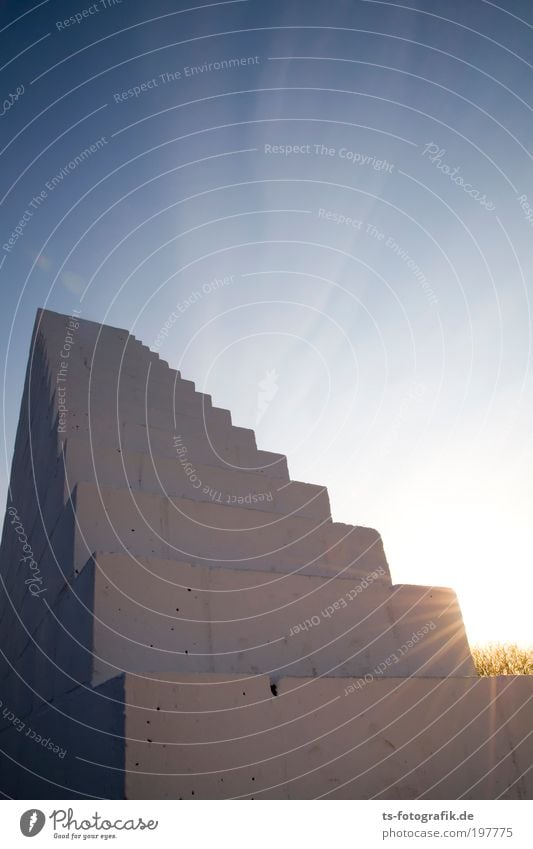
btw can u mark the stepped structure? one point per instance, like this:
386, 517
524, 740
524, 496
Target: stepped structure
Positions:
178, 618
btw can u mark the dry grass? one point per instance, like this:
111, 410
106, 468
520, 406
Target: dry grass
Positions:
503, 659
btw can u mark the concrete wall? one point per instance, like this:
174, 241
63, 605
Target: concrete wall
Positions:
55, 752
403, 738
224, 736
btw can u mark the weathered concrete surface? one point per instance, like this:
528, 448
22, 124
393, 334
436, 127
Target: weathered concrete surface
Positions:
401, 738
170, 548
162, 616
146, 524
223, 737
163, 473
51, 753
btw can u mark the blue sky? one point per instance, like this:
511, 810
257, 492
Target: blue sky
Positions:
395, 345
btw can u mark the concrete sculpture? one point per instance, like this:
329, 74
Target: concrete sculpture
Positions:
179, 619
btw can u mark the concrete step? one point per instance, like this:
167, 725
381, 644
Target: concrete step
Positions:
235, 447
113, 360
137, 386
102, 364
135, 407
90, 341
144, 524
104, 354
218, 736
166, 616
222, 737
156, 616
181, 477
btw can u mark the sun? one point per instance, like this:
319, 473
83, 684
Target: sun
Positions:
445, 530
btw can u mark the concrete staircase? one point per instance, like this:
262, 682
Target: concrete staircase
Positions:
189, 589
